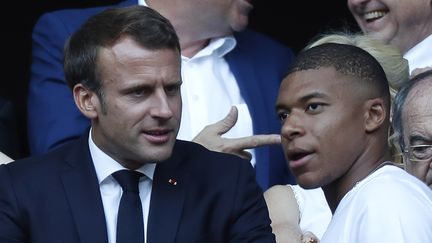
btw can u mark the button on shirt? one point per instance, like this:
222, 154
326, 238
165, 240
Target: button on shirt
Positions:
111, 191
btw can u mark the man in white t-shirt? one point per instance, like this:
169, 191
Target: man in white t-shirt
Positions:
334, 108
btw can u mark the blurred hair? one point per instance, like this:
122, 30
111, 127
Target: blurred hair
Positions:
390, 58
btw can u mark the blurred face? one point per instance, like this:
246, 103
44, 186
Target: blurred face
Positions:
322, 125
221, 17
141, 101
401, 23
417, 128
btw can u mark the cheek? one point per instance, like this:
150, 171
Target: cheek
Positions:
175, 105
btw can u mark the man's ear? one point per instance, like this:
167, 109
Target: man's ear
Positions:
375, 114
86, 100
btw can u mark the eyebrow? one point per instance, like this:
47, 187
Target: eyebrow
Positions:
313, 95
418, 138
305, 98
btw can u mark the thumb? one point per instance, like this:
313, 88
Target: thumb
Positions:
227, 122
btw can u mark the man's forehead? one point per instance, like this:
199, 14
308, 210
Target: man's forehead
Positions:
420, 94
323, 78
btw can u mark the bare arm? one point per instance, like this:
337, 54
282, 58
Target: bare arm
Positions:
284, 213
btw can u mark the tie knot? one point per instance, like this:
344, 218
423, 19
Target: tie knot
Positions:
128, 179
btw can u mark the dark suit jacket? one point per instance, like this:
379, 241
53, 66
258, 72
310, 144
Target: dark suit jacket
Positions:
56, 198
258, 64
9, 138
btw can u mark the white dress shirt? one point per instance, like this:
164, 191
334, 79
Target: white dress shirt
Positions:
420, 55
111, 191
209, 90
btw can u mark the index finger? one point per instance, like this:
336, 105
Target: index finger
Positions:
254, 141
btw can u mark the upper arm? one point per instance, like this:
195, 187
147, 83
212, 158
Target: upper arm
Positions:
284, 213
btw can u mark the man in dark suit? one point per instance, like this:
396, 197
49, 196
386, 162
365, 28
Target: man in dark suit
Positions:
123, 66
246, 69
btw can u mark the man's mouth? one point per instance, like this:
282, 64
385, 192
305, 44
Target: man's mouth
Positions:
157, 132
297, 154
374, 15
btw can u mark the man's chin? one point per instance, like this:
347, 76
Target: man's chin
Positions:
159, 153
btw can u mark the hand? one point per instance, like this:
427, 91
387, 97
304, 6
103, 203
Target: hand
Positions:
211, 137
309, 237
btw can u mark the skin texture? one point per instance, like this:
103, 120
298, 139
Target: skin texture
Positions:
278, 198
398, 22
285, 216
417, 128
315, 106
138, 117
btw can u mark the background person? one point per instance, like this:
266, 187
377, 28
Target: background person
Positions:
406, 25
412, 114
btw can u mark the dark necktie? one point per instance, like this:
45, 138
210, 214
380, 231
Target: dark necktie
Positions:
130, 225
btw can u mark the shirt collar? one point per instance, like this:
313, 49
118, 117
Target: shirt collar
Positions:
420, 55
218, 47
105, 165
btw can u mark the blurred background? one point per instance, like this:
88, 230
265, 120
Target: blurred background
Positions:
293, 23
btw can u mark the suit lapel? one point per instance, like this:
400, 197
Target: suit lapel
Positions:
82, 191
246, 76
167, 199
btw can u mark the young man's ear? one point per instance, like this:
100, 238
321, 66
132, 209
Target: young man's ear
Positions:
375, 114
86, 100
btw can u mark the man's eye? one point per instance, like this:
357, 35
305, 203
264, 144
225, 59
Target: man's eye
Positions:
314, 107
283, 115
173, 89
138, 93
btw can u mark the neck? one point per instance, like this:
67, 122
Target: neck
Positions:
190, 48
363, 167
406, 45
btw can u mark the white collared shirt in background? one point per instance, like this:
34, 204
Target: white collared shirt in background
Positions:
420, 56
